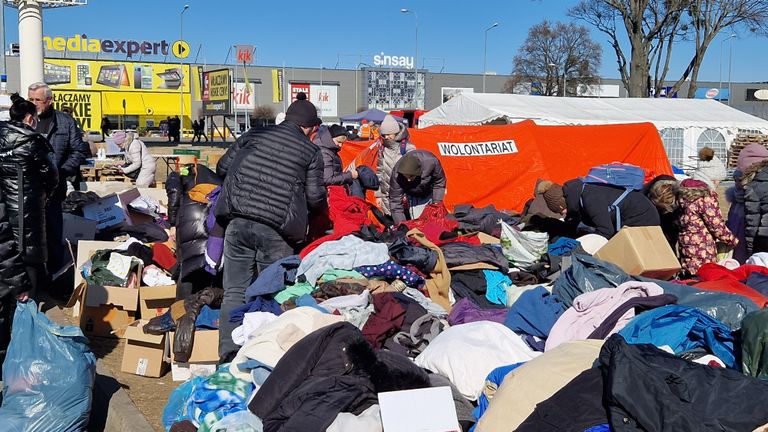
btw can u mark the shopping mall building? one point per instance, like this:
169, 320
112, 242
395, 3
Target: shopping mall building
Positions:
136, 93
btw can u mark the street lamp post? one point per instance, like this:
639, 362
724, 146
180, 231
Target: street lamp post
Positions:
416, 58
485, 52
730, 64
720, 86
181, 73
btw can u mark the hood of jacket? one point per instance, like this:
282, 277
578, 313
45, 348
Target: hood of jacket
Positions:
755, 172
15, 135
325, 140
694, 192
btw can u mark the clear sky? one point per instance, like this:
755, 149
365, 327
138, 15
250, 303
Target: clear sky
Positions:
313, 33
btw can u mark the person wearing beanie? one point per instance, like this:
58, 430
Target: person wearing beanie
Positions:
393, 144
754, 182
590, 205
273, 181
139, 164
419, 180
330, 139
701, 226
710, 169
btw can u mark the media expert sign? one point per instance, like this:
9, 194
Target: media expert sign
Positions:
85, 106
216, 92
491, 148
81, 43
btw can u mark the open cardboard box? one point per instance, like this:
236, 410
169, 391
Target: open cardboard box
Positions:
113, 209
144, 354
641, 251
204, 357
155, 301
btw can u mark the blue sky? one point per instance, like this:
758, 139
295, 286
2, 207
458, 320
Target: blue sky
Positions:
314, 33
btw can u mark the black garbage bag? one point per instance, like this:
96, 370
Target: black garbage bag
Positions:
76, 200
587, 274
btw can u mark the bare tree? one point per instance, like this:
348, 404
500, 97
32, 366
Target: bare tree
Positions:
646, 23
557, 58
710, 17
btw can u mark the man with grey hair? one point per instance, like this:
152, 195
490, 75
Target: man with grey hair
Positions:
69, 152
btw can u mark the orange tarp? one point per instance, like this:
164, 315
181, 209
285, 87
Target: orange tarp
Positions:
512, 157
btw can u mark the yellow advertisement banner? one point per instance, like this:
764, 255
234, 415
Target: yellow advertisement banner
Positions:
100, 75
277, 85
85, 106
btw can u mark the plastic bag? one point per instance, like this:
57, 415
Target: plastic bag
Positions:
242, 421
587, 274
48, 375
523, 248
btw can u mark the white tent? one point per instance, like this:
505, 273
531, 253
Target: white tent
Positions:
685, 125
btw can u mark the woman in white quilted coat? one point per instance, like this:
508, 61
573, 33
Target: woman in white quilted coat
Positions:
139, 163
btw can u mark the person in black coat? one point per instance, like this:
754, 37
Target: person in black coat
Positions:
330, 140
273, 181
69, 152
590, 205
27, 178
755, 184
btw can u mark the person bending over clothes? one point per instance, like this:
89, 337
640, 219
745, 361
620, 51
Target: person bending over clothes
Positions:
662, 191
418, 182
589, 209
140, 165
393, 145
701, 226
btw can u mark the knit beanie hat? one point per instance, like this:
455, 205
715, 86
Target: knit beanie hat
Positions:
409, 165
555, 198
302, 112
119, 137
337, 131
389, 126
751, 155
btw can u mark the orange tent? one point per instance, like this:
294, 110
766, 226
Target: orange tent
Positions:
499, 165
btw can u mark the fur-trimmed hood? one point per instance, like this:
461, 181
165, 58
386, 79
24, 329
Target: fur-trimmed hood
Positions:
755, 172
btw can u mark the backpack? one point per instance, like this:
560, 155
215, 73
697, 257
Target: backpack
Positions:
629, 177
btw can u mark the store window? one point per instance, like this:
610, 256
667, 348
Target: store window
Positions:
714, 140
673, 144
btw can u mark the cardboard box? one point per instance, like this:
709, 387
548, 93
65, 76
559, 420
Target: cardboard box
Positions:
113, 209
205, 355
144, 354
641, 251
104, 189
77, 228
157, 193
155, 301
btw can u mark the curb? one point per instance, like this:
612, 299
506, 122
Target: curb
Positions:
112, 410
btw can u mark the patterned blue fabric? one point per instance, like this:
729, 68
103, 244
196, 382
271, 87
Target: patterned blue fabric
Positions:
391, 271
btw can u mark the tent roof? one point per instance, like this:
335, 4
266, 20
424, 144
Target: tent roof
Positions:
481, 108
372, 115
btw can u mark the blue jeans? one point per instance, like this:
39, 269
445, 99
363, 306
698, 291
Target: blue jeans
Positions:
249, 248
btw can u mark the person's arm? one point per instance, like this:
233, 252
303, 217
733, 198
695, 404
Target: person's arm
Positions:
315, 190
713, 219
77, 149
396, 201
753, 209
44, 164
332, 178
135, 155
439, 182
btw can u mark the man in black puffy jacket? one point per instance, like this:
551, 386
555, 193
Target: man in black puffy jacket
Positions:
69, 152
273, 181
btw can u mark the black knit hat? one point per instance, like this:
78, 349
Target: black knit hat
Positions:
409, 165
337, 131
302, 112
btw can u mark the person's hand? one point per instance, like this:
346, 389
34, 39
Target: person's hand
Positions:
355, 174
23, 297
379, 203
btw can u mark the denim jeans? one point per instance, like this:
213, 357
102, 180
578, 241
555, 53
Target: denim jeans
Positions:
249, 248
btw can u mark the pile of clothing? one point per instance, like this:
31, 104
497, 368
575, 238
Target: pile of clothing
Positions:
529, 332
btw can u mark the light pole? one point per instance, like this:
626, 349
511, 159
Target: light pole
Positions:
730, 64
485, 51
181, 73
720, 87
416, 58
